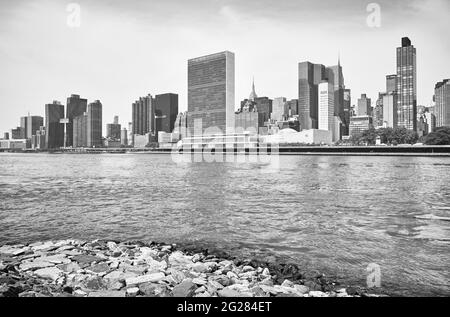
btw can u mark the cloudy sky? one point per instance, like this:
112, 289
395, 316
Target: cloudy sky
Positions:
126, 49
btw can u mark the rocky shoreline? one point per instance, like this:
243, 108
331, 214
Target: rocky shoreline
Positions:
72, 268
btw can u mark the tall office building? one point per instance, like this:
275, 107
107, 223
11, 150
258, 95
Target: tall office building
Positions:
442, 100
390, 113
309, 77
54, 130
79, 128
339, 90
6, 136
113, 130
17, 134
278, 109
391, 83
29, 125
181, 124
166, 112
94, 124
407, 85
364, 106
143, 114
124, 137
347, 111
211, 93
326, 108
76, 106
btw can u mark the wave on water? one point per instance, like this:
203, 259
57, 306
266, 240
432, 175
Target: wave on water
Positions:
432, 217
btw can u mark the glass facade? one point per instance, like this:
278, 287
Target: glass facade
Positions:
442, 100
76, 106
407, 85
94, 125
54, 137
211, 93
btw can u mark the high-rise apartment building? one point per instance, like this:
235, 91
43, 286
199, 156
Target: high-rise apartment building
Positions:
364, 106
143, 115
113, 130
211, 94
54, 130
326, 108
76, 106
166, 112
442, 101
94, 124
407, 85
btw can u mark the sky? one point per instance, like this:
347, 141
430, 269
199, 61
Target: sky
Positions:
121, 50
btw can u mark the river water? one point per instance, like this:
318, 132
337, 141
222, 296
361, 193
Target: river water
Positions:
335, 214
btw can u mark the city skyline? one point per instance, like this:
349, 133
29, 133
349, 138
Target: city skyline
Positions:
92, 76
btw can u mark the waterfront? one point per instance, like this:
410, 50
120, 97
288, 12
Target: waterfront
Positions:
332, 214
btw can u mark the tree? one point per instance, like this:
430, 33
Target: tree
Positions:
440, 137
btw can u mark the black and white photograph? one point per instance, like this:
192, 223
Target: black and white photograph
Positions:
222, 154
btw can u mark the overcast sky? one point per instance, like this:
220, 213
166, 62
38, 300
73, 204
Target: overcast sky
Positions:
127, 49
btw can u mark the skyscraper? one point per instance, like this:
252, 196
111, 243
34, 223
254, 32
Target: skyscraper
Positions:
347, 110
211, 93
29, 125
407, 85
390, 113
309, 77
326, 108
364, 106
113, 129
278, 108
54, 130
80, 130
339, 88
143, 116
166, 112
391, 83
94, 124
76, 106
442, 100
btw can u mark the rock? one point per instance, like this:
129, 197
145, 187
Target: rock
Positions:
197, 257
52, 273
25, 266
185, 289
102, 268
301, 289
154, 265
214, 285
317, 294
46, 246
28, 294
265, 272
178, 276
69, 267
231, 275
10, 291
132, 292
56, 259
119, 276
352, 291
199, 281
154, 277
147, 253
112, 246
178, 259
200, 267
222, 279
79, 293
95, 283
313, 286
86, 259
114, 265
287, 283
227, 292
108, 294
258, 291
247, 268
205, 294
117, 285
201, 289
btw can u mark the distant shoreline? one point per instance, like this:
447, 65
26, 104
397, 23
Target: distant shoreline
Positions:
418, 151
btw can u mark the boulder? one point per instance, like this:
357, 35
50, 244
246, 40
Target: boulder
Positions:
301, 289
52, 273
25, 266
69, 267
199, 281
102, 268
132, 292
152, 278
84, 259
185, 289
